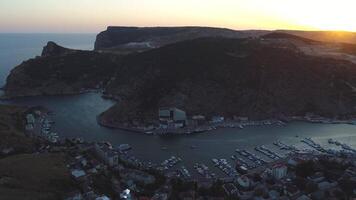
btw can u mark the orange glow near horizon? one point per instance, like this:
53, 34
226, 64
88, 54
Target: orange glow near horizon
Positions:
96, 15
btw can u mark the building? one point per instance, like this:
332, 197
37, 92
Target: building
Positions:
77, 174
279, 171
172, 117
105, 152
244, 182
126, 194
30, 119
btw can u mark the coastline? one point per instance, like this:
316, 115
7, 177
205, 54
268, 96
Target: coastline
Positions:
214, 126
9, 97
191, 130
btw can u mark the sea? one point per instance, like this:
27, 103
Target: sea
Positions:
75, 116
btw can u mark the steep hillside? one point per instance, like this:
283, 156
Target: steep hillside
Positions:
246, 77
60, 71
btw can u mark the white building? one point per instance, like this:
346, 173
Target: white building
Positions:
126, 194
279, 171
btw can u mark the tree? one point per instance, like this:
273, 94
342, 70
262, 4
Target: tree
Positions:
305, 169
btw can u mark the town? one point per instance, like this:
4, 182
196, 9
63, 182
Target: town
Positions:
175, 121
102, 171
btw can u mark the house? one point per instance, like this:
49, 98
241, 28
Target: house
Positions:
126, 194
172, 117
279, 171
77, 174
105, 152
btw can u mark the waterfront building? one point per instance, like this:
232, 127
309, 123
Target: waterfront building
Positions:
172, 117
279, 170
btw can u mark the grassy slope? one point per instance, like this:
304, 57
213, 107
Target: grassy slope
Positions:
28, 176
34, 177
12, 129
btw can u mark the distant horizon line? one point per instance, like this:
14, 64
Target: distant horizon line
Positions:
173, 26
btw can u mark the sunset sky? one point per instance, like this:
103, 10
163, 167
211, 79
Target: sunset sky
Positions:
95, 15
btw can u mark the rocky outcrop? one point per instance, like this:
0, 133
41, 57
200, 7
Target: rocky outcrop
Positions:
60, 71
52, 49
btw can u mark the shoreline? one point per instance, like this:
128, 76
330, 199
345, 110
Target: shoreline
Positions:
11, 97
196, 129
223, 125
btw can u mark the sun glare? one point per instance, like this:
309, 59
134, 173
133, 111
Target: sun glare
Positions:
319, 14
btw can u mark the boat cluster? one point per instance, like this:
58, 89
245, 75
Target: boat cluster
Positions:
240, 162
224, 166
204, 171
183, 171
343, 145
284, 146
269, 153
171, 162
313, 144
258, 161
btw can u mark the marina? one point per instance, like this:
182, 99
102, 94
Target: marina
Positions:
73, 117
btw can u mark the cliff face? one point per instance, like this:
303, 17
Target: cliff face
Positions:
152, 37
